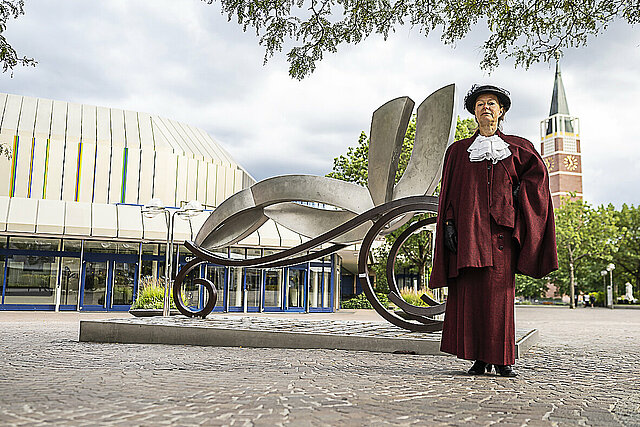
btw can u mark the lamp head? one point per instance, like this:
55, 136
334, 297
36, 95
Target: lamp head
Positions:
191, 209
153, 208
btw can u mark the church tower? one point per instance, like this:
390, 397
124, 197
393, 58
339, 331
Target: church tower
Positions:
560, 145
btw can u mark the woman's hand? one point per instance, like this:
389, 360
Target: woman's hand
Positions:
450, 236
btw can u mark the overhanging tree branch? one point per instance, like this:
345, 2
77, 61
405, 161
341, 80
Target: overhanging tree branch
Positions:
526, 31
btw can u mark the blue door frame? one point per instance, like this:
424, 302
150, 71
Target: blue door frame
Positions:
110, 260
305, 279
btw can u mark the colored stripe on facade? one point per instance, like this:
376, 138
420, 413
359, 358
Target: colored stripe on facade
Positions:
33, 146
14, 165
78, 170
46, 170
124, 174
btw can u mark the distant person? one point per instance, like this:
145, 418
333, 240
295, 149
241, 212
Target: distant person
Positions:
495, 219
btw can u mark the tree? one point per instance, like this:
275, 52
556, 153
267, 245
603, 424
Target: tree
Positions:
8, 56
585, 237
526, 31
529, 287
416, 251
627, 257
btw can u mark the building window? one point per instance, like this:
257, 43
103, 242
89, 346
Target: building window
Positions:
274, 279
295, 288
31, 279
72, 245
568, 125
235, 278
315, 283
215, 274
253, 281
69, 280
111, 247
124, 279
190, 290
326, 286
95, 283
235, 286
28, 244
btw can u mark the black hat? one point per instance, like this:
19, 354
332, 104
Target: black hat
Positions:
477, 90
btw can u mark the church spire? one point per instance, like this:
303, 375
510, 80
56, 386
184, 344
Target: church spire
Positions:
560, 146
559, 98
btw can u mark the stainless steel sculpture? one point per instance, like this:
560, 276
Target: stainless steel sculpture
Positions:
358, 214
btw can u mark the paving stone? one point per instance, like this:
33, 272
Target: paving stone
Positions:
582, 371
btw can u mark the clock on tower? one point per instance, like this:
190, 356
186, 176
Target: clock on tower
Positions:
560, 145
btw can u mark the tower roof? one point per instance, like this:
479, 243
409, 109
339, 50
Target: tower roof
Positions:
559, 98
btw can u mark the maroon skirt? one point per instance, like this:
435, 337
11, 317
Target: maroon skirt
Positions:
479, 319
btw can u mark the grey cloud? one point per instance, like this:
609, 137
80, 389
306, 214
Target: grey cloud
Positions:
183, 60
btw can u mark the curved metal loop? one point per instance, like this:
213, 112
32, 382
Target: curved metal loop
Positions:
414, 318
425, 324
281, 261
409, 204
394, 294
208, 285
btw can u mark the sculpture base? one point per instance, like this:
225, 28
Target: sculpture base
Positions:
246, 331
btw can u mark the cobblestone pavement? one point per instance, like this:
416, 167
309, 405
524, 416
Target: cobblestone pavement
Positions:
585, 370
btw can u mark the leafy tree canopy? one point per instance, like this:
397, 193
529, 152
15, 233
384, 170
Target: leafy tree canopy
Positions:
627, 257
10, 9
587, 239
527, 31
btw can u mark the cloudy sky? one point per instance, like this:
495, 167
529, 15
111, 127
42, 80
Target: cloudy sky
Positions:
183, 60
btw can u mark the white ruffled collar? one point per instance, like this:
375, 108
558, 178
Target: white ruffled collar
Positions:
491, 148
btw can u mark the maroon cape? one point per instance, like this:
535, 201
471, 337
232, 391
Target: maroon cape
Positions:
495, 240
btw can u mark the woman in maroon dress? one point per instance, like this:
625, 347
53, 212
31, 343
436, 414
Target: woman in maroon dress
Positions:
495, 219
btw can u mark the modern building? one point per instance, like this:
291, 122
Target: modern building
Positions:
72, 231
560, 145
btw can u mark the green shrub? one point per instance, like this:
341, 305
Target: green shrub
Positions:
413, 297
360, 301
600, 298
151, 294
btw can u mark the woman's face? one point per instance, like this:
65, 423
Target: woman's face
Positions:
488, 109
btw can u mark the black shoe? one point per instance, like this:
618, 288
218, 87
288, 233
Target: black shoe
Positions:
505, 371
478, 368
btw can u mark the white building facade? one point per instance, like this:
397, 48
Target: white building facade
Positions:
72, 233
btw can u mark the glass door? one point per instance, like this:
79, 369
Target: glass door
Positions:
94, 294
108, 284
216, 274
273, 284
296, 288
123, 283
253, 283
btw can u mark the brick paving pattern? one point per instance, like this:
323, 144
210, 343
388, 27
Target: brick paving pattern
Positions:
585, 370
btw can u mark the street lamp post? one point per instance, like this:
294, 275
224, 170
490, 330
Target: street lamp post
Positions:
603, 273
610, 269
150, 210
188, 211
